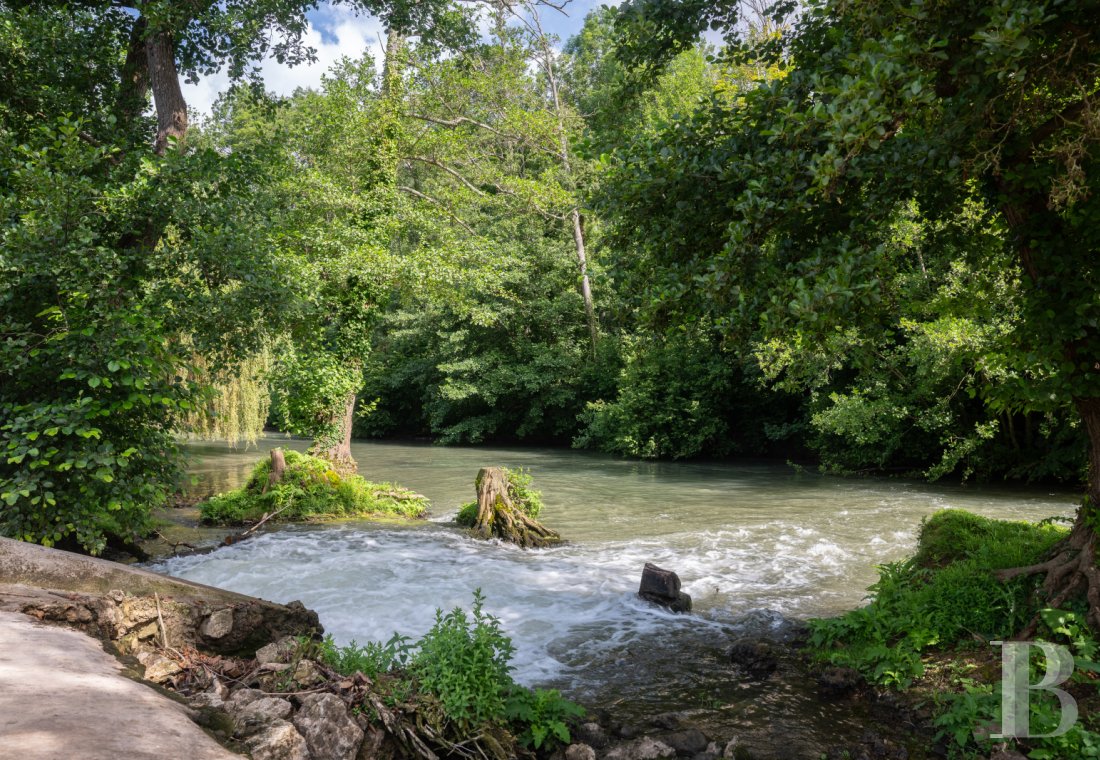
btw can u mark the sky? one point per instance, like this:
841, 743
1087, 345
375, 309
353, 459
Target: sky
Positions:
335, 32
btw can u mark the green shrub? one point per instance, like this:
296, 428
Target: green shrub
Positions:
525, 498
311, 490
463, 660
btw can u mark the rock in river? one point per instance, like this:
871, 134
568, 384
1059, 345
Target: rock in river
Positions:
662, 587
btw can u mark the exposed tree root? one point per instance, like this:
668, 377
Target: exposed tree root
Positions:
1071, 570
499, 517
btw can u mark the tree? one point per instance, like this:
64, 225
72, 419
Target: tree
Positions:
770, 212
125, 251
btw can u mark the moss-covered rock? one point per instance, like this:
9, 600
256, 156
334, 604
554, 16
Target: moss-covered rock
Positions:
310, 489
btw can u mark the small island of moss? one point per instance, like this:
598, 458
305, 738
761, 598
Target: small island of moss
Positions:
310, 489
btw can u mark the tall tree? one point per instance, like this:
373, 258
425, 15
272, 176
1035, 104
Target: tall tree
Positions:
770, 213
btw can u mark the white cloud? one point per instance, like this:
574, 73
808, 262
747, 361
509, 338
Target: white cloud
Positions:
334, 33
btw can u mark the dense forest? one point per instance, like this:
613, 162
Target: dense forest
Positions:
859, 234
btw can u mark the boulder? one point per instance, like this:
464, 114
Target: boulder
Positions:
837, 681
258, 714
241, 697
662, 587
279, 741
329, 731
644, 748
308, 674
218, 624
158, 669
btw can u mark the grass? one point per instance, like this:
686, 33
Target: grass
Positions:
311, 490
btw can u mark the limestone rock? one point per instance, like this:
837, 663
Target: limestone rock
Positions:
218, 624
307, 673
159, 669
279, 741
329, 731
645, 748
241, 697
277, 651
579, 752
260, 713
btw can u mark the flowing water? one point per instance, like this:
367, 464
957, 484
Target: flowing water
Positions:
749, 541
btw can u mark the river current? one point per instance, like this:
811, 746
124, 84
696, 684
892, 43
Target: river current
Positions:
750, 542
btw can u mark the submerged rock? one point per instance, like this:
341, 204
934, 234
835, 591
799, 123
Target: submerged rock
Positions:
757, 658
662, 587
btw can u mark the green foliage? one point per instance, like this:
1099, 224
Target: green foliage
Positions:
461, 668
463, 660
945, 596
310, 489
524, 498
979, 704
372, 660
946, 600
679, 397
544, 713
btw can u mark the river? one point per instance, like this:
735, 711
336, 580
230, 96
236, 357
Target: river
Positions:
755, 540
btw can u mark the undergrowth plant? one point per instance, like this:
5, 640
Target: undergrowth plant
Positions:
458, 676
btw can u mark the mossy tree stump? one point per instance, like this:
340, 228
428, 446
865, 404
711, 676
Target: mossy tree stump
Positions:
498, 516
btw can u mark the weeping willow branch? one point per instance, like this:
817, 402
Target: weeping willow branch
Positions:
239, 405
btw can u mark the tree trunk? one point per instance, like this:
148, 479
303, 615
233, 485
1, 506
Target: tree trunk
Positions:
1072, 568
167, 95
586, 286
278, 467
132, 96
567, 165
337, 449
499, 517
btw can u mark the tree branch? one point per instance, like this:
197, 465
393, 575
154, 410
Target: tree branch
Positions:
441, 204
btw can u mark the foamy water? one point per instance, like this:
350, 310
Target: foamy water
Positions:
742, 538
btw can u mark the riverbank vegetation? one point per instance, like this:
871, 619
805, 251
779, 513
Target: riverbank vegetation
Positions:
309, 488
928, 627
453, 687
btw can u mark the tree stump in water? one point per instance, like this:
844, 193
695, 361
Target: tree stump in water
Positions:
278, 467
498, 516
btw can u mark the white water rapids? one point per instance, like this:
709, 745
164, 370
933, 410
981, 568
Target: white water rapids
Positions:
742, 538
